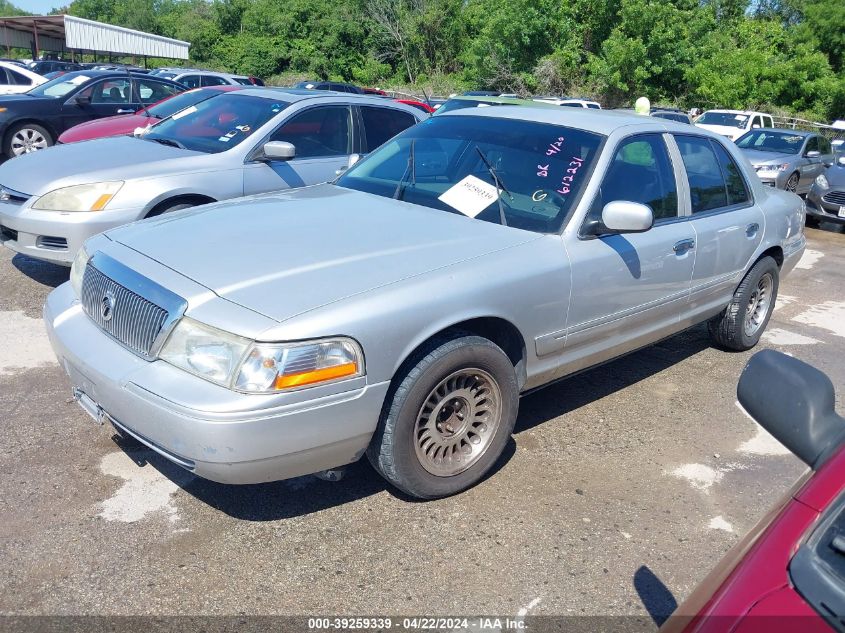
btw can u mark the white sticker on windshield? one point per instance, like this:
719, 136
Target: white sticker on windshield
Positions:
79, 79
184, 112
470, 196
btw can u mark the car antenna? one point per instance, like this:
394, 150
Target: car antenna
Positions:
425, 94
132, 86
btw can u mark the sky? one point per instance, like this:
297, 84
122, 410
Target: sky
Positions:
39, 6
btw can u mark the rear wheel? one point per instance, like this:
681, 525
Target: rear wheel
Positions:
448, 420
741, 324
26, 138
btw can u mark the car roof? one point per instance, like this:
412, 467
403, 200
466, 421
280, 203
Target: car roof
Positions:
292, 95
589, 119
783, 130
735, 111
501, 100
93, 74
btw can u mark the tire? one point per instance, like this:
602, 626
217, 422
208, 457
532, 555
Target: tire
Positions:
164, 208
26, 138
741, 324
792, 183
421, 423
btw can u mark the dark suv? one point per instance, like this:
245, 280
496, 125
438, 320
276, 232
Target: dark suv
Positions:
337, 86
51, 66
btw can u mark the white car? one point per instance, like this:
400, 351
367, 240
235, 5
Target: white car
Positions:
569, 103
733, 123
16, 79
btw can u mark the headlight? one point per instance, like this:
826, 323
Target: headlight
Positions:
93, 197
205, 351
270, 367
822, 182
77, 271
782, 167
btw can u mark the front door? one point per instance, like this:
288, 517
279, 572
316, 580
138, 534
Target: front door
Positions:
629, 289
322, 137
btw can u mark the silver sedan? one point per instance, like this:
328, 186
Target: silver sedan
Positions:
401, 312
786, 159
240, 143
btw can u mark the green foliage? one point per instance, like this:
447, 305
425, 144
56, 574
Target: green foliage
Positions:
780, 54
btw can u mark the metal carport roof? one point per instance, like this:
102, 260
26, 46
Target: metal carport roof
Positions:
66, 32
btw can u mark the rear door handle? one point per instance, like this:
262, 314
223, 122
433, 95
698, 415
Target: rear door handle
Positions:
683, 246
751, 229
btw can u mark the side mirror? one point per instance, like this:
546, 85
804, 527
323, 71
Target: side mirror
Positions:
623, 216
755, 127
353, 158
841, 161
279, 150
82, 100
794, 402
813, 154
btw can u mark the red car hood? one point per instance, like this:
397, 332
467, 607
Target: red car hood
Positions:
109, 126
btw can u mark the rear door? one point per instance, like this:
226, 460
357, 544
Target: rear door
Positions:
728, 224
629, 290
379, 124
323, 139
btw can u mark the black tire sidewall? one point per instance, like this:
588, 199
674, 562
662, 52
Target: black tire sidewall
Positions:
7, 144
462, 353
766, 265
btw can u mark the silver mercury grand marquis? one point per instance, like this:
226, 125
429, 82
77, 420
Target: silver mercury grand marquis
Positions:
401, 311
238, 143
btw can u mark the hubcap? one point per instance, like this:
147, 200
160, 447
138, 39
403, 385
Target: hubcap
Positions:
27, 140
792, 183
758, 305
457, 422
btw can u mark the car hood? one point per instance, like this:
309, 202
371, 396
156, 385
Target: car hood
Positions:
287, 253
98, 160
724, 130
756, 157
108, 126
21, 98
835, 176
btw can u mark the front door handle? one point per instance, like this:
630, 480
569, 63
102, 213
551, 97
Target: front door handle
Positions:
125, 111
683, 246
751, 229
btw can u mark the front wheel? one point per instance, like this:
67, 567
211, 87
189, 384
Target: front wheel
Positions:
741, 324
448, 420
792, 183
26, 138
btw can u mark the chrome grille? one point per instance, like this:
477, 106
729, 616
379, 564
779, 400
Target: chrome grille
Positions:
130, 319
834, 197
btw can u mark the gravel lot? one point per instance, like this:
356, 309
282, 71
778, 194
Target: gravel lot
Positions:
621, 489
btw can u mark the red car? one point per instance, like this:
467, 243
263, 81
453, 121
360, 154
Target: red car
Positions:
788, 573
126, 123
417, 104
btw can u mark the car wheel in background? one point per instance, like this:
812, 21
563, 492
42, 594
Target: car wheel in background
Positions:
447, 419
166, 207
25, 139
741, 324
792, 183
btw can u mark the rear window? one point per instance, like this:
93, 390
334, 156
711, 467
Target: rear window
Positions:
382, 124
715, 180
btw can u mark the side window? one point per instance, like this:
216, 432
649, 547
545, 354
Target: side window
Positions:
824, 146
640, 172
737, 191
191, 81
111, 91
154, 91
382, 124
812, 145
756, 122
768, 121
212, 80
5, 77
18, 78
318, 132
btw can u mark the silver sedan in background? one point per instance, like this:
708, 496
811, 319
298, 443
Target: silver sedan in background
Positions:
786, 159
826, 200
401, 311
240, 143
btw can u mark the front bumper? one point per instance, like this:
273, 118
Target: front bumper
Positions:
233, 440
773, 179
823, 209
55, 236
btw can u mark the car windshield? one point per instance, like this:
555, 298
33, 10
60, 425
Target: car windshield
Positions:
60, 86
452, 163
171, 106
727, 119
216, 125
768, 141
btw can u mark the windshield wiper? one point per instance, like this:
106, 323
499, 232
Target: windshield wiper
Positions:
500, 186
410, 169
165, 141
